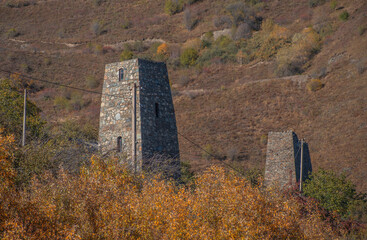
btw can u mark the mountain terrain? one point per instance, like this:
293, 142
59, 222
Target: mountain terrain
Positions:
299, 65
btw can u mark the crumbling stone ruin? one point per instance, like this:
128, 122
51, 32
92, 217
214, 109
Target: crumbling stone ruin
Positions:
283, 158
156, 131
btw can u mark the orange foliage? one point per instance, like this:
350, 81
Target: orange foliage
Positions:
107, 202
7, 173
163, 50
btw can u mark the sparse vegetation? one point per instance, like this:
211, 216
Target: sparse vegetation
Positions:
173, 6
126, 55
189, 57
314, 85
291, 60
11, 111
335, 193
163, 52
344, 16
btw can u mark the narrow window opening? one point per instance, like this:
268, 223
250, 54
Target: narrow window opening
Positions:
121, 74
119, 144
156, 110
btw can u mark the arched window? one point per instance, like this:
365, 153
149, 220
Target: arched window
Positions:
121, 74
119, 144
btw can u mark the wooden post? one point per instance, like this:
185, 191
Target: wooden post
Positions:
133, 128
301, 168
24, 116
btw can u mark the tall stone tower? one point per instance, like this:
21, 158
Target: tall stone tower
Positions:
283, 158
155, 123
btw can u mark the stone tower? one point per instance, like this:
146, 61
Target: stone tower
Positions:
156, 131
283, 158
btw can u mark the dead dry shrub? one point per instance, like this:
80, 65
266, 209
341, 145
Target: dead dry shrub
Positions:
222, 21
189, 19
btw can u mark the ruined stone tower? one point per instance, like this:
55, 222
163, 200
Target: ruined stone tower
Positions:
283, 157
156, 132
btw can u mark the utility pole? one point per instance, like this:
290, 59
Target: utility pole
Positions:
133, 128
301, 168
24, 116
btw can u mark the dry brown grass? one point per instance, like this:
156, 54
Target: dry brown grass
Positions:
332, 120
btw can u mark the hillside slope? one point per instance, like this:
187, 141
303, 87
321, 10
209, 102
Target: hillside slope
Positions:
229, 106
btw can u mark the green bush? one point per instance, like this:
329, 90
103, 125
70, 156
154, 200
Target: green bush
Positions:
173, 6
344, 16
126, 55
315, 3
11, 112
189, 57
334, 192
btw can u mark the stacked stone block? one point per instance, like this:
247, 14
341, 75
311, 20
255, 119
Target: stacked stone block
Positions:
283, 158
155, 117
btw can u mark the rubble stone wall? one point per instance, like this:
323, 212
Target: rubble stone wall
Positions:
283, 159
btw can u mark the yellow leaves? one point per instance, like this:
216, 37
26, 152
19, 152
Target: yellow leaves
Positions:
163, 50
107, 202
7, 173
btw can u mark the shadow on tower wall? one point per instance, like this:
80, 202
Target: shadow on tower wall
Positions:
307, 166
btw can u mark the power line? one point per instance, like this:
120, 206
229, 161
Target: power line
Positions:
94, 92
220, 160
61, 85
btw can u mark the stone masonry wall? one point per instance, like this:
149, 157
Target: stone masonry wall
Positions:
156, 123
283, 156
159, 132
116, 108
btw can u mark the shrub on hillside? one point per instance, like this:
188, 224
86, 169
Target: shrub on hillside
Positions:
291, 60
189, 57
11, 112
126, 55
334, 192
163, 51
314, 85
173, 6
344, 16
266, 43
